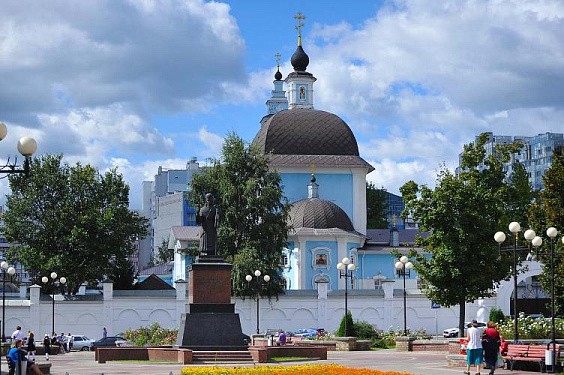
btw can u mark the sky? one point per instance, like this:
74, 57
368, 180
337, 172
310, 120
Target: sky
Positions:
141, 84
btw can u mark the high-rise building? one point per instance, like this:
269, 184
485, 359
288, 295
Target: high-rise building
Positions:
166, 204
535, 155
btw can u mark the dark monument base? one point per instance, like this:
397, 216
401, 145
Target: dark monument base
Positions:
211, 323
211, 331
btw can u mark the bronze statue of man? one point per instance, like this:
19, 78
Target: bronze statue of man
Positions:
208, 217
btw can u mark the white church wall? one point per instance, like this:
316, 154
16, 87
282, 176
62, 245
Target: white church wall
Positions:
121, 310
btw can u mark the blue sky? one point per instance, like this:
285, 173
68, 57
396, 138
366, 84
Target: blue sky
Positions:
142, 84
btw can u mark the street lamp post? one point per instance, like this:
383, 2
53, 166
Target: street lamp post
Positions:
346, 269
500, 237
259, 285
552, 233
10, 271
26, 146
403, 265
62, 281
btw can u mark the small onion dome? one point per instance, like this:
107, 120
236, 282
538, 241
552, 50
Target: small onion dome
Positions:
278, 75
300, 60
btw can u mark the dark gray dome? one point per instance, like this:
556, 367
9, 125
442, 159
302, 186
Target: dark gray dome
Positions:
306, 132
300, 60
318, 214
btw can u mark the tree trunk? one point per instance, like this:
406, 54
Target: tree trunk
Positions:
462, 318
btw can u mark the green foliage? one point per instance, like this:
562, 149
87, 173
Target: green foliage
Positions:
71, 220
376, 207
245, 263
546, 212
385, 340
154, 335
164, 254
253, 212
496, 315
350, 326
462, 213
122, 274
529, 328
364, 330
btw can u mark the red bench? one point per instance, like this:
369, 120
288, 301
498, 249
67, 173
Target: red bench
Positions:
525, 353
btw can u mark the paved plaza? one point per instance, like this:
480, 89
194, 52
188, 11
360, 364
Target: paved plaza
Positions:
424, 363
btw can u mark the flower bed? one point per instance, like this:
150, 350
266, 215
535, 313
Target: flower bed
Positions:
284, 370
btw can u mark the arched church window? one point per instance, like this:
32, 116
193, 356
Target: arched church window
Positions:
302, 93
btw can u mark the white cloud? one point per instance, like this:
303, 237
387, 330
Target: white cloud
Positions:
162, 56
211, 141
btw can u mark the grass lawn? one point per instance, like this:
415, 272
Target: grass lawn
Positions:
289, 359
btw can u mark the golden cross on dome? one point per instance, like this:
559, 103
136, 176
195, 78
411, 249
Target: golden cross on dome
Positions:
300, 17
278, 56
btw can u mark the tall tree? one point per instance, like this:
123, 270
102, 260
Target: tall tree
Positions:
253, 226
376, 207
164, 254
72, 220
462, 214
547, 212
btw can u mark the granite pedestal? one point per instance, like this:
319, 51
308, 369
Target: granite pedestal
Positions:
211, 322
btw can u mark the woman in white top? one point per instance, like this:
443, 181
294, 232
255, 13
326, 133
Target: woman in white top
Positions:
474, 351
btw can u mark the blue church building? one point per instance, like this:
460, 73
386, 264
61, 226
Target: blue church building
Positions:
324, 178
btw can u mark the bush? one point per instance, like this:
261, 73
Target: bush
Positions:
385, 340
154, 335
350, 326
530, 328
496, 315
364, 330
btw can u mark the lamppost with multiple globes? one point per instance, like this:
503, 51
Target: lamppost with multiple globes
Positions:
537, 241
11, 271
260, 284
346, 269
62, 280
499, 237
26, 146
403, 265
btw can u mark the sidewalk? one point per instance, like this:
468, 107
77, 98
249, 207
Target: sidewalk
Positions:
417, 363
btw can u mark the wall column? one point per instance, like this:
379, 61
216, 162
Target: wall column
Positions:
388, 287
322, 287
181, 293
35, 311
108, 292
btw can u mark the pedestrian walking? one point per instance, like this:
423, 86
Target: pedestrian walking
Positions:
491, 342
474, 350
18, 334
47, 346
31, 346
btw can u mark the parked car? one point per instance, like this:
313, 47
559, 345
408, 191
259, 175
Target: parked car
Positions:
272, 332
453, 332
109, 341
306, 332
81, 343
